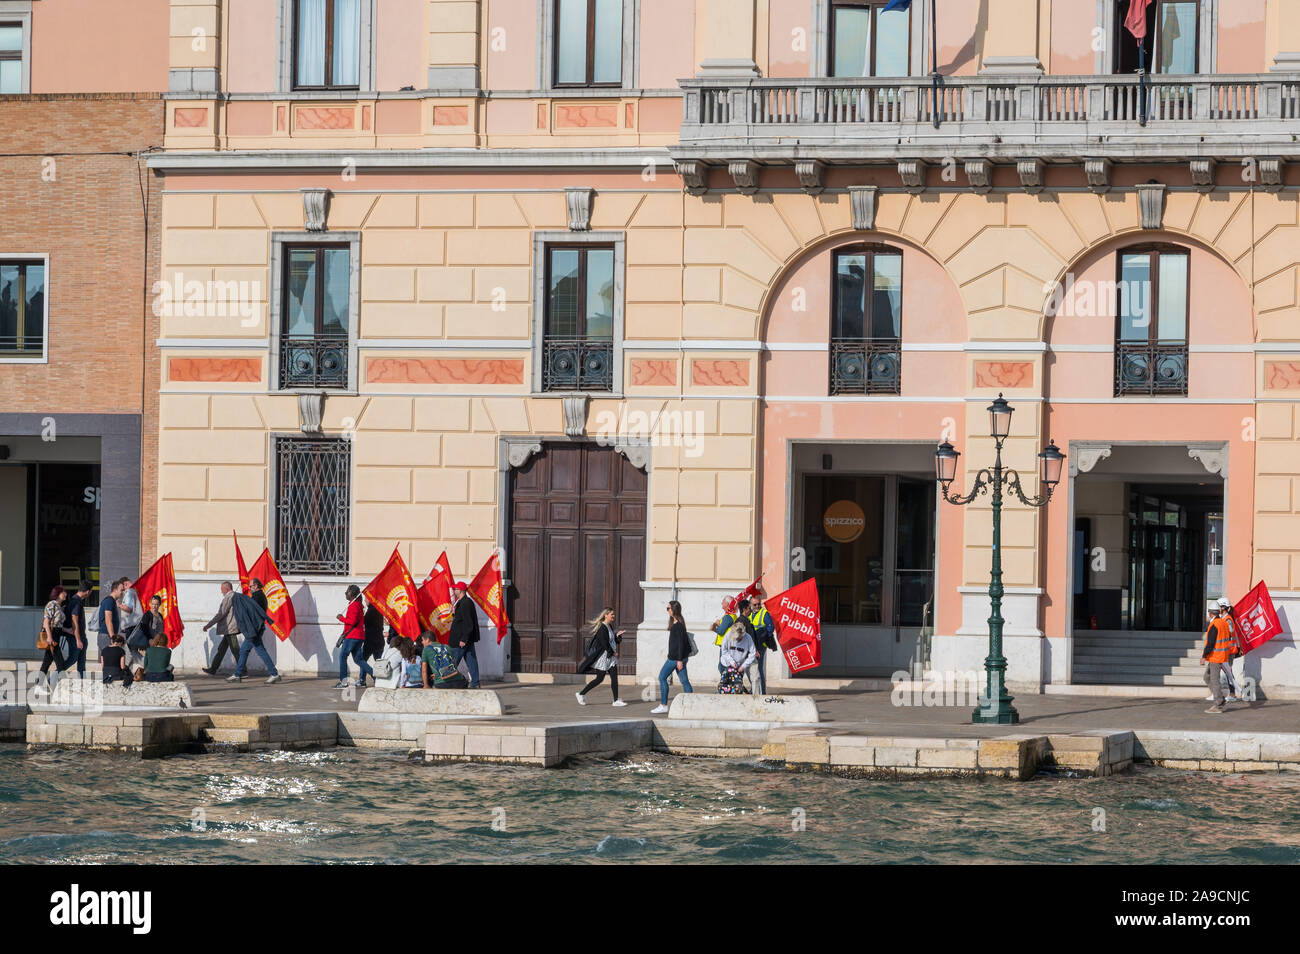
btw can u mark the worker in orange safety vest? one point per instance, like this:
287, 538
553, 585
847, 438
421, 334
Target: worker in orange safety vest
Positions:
1220, 647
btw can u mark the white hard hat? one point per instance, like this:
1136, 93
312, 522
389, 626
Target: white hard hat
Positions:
1224, 603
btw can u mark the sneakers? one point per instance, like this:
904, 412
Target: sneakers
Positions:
1233, 699
659, 709
581, 701
360, 684
273, 680
1209, 698
1215, 710
619, 702
234, 679
341, 684
210, 670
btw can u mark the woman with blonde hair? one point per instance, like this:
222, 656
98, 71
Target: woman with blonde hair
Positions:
602, 655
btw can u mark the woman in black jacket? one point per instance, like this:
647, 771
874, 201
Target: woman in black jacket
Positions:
679, 651
602, 655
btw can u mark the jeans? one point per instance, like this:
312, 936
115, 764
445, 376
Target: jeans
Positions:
159, 677
761, 682
73, 654
468, 653
670, 667
354, 649
252, 643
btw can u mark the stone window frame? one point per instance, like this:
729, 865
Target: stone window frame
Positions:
1207, 45
919, 54
20, 12
273, 498
631, 72
543, 239
275, 308
33, 258
367, 58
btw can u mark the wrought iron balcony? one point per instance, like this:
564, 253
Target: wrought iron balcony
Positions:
1144, 368
577, 364
317, 362
1059, 117
861, 366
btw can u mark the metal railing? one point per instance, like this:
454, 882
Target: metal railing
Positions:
313, 509
865, 366
1144, 368
577, 364
22, 346
317, 362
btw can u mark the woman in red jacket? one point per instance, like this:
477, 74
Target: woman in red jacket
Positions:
353, 640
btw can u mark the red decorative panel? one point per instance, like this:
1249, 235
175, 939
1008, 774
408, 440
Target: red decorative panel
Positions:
589, 116
629, 115
444, 371
190, 117
280, 112
365, 117
541, 115
215, 369
1004, 374
1282, 375
720, 372
324, 117
652, 372
451, 115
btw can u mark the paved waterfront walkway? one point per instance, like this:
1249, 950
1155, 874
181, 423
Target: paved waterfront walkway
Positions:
873, 709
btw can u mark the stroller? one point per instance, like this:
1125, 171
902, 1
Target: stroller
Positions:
732, 682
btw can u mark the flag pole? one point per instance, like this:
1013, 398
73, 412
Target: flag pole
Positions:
1142, 83
934, 60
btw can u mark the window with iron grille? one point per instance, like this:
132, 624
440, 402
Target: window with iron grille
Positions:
578, 334
1153, 289
866, 320
22, 309
313, 509
314, 319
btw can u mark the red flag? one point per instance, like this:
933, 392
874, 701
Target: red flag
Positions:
488, 592
279, 606
750, 590
160, 580
1257, 620
1136, 21
392, 592
797, 615
434, 599
239, 563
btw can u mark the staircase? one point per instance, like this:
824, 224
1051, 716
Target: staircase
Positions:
1105, 657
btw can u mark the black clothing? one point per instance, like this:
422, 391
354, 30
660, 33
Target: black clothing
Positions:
374, 624
602, 641
679, 645
258, 597
464, 624
251, 618
600, 676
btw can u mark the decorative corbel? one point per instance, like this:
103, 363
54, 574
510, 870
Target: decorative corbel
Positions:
745, 174
1213, 457
1098, 173
575, 414
695, 175
810, 172
1151, 203
578, 200
315, 209
980, 174
912, 172
1270, 174
1031, 174
862, 200
311, 411
1203, 174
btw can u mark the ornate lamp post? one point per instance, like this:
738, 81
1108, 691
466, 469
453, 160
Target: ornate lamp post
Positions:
996, 705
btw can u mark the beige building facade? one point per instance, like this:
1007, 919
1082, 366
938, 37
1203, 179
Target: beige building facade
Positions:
655, 306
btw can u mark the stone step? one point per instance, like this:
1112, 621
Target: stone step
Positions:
1125, 678
1141, 652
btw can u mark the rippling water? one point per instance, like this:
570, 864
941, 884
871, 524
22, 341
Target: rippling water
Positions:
345, 805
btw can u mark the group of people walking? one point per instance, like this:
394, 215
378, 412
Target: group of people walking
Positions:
1221, 648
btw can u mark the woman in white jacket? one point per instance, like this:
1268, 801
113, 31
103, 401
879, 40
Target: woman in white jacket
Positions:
397, 666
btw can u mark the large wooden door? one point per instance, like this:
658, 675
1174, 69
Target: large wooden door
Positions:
577, 544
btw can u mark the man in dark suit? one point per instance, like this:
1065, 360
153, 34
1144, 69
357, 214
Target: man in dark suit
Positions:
464, 633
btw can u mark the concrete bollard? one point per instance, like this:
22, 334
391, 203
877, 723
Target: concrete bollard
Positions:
704, 706
479, 702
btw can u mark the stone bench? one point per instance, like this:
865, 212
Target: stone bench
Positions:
93, 694
706, 707
478, 702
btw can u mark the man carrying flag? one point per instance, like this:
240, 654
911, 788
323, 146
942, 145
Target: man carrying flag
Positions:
487, 590
160, 581
279, 607
464, 634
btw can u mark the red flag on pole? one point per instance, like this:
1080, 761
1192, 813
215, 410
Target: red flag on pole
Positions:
750, 590
1257, 620
392, 592
239, 564
488, 592
279, 606
434, 599
160, 580
797, 615
1136, 21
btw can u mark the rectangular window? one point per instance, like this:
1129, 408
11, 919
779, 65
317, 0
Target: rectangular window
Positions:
1172, 41
11, 58
578, 316
1151, 321
312, 504
867, 40
588, 42
327, 44
314, 311
22, 309
866, 320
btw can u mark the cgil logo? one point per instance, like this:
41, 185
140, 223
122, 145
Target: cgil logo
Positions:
102, 908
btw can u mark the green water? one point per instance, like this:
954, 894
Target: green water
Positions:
345, 805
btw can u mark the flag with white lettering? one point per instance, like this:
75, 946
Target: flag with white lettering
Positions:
798, 618
1257, 620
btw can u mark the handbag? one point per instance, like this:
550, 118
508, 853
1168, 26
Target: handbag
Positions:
606, 662
694, 649
43, 641
137, 638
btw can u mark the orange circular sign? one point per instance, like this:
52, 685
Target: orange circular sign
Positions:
844, 521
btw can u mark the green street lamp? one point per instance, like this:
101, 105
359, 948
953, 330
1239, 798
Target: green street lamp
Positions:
995, 707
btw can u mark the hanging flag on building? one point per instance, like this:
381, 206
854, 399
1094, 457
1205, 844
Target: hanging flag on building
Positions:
434, 599
279, 606
239, 564
487, 591
1257, 620
798, 618
1136, 21
392, 592
160, 580
898, 5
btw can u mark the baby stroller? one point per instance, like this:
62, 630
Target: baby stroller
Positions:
732, 682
